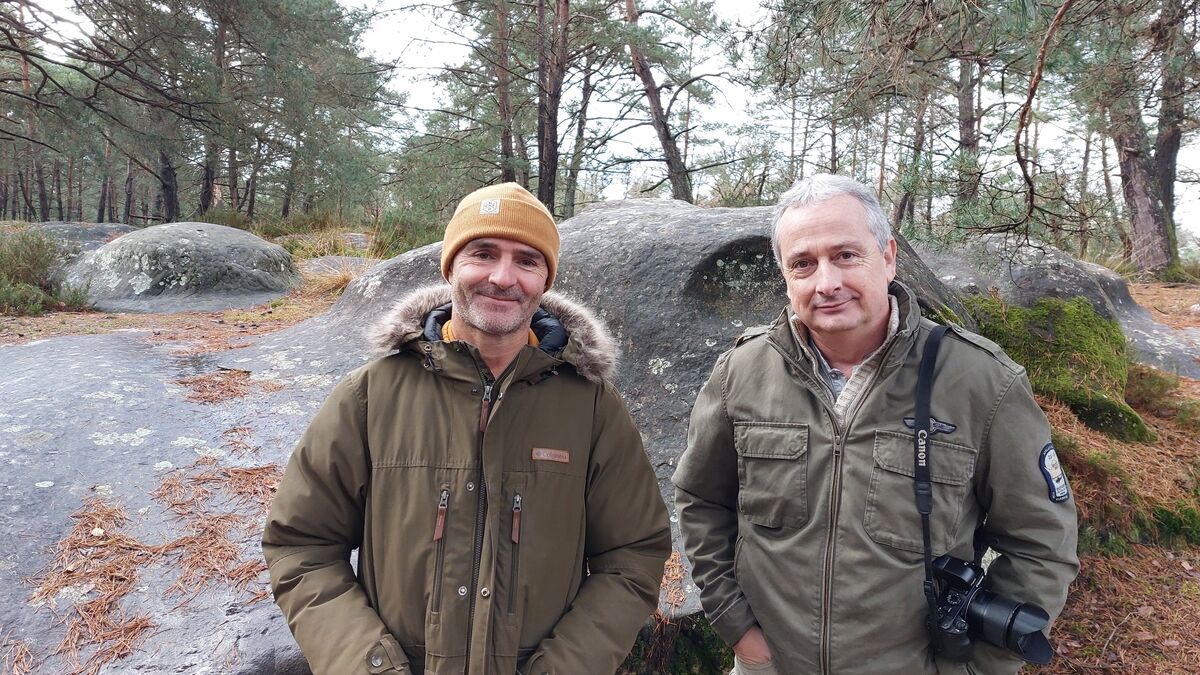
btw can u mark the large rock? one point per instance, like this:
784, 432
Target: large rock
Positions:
103, 416
1022, 273
184, 267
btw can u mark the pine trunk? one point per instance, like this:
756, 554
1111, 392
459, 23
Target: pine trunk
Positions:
577, 150
127, 206
58, 200
168, 189
1153, 239
504, 103
677, 173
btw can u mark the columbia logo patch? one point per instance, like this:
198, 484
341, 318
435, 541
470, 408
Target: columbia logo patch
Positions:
552, 455
489, 207
1056, 480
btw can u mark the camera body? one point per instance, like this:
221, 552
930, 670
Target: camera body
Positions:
965, 611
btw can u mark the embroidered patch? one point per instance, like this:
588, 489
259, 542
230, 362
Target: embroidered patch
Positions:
1052, 471
489, 207
552, 455
936, 426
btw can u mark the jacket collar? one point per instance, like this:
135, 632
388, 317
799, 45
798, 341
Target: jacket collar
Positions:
568, 331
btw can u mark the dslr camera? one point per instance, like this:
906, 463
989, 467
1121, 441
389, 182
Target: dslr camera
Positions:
966, 611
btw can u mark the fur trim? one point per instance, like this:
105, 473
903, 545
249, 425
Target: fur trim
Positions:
591, 349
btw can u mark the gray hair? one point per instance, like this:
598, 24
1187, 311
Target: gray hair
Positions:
823, 186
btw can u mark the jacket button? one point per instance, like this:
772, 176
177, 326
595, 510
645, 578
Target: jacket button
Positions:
376, 660
462, 590
485, 592
470, 487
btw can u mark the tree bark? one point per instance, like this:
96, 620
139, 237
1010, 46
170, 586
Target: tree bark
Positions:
252, 185
1110, 200
552, 67
504, 103
234, 198
1084, 196
168, 188
677, 173
1153, 237
1175, 48
968, 137
289, 188
833, 146
102, 207
58, 200
127, 206
883, 147
211, 149
578, 149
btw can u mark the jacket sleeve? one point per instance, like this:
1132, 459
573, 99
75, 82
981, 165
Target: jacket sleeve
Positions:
1034, 535
315, 521
706, 494
627, 543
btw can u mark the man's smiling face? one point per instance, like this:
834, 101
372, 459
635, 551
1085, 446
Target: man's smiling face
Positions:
497, 285
837, 276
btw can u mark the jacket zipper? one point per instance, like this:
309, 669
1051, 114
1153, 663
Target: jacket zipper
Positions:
485, 411
516, 555
439, 534
835, 501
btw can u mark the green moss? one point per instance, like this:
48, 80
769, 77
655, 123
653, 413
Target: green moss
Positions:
944, 315
1071, 354
1180, 524
687, 646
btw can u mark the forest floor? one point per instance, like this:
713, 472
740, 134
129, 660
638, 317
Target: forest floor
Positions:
207, 331
1137, 611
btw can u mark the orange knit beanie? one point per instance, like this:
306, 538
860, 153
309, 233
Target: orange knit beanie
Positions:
506, 211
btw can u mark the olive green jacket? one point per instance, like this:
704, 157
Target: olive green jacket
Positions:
514, 523
809, 529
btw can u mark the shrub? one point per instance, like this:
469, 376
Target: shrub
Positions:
29, 282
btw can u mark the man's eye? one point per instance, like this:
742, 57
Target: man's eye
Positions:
846, 255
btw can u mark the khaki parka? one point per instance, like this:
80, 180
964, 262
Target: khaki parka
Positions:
502, 524
809, 529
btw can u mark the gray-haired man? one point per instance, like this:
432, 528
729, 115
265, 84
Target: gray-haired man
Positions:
795, 493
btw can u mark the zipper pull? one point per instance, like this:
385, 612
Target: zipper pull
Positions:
486, 410
516, 521
443, 503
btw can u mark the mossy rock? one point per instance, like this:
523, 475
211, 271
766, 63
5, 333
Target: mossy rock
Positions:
1070, 353
687, 646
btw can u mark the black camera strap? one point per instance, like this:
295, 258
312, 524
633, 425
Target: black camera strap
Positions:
922, 486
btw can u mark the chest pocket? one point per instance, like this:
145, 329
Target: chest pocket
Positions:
772, 472
891, 515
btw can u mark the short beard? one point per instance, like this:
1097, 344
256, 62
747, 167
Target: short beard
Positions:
508, 324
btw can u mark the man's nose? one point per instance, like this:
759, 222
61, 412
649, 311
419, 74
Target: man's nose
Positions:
503, 273
829, 279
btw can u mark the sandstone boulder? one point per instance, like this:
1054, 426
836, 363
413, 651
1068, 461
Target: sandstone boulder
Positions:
184, 267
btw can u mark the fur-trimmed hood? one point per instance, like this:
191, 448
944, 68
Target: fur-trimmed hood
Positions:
590, 348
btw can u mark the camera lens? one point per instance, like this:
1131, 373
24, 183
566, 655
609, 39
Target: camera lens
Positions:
1011, 625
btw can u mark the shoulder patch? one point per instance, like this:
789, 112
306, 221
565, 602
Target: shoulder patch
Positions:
1052, 471
751, 333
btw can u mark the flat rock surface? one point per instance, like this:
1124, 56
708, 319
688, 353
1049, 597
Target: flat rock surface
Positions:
1022, 274
336, 264
107, 416
184, 267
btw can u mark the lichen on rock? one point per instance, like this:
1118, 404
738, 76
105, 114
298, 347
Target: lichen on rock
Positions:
1070, 353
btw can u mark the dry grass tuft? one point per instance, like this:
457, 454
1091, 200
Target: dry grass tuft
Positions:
206, 554
94, 567
330, 283
672, 581
17, 659
217, 386
223, 384
235, 441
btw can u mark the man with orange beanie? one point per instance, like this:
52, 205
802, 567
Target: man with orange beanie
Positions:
505, 514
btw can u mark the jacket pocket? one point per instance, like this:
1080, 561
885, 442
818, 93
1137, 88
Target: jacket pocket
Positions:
772, 472
891, 516
439, 542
